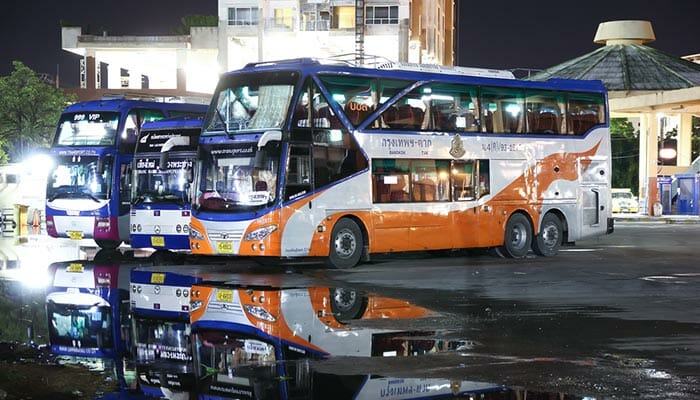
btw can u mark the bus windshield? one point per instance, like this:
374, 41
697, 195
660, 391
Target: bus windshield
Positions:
80, 176
92, 128
162, 341
154, 185
79, 326
237, 177
250, 102
233, 359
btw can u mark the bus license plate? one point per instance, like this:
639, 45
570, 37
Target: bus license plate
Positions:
224, 295
75, 268
224, 247
157, 241
157, 278
75, 235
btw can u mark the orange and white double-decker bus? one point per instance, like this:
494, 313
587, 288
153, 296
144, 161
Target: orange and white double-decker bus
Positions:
304, 158
255, 342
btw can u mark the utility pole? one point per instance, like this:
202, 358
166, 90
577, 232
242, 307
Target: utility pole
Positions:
359, 31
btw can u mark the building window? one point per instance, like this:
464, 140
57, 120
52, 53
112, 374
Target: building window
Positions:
243, 16
379, 15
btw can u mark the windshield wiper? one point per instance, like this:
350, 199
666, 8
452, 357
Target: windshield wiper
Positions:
223, 122
89, 196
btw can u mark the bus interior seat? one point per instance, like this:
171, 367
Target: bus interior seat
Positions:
381, 190
424, 190
325, 114
582, 122
543, 122
396, 190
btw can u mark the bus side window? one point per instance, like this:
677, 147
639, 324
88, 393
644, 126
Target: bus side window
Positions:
484, 178
298, 172
463, 180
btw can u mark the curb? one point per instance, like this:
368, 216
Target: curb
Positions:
688, 220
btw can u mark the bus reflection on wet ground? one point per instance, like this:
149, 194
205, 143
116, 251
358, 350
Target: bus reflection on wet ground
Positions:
256, 333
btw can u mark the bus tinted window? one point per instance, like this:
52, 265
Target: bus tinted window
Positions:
390, 180
585, 111
87, 129
430, 180
463, 180
502, 110
132, 126
545, 111
358, 96
251, 102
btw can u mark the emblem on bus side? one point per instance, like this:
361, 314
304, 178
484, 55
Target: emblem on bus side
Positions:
457, 149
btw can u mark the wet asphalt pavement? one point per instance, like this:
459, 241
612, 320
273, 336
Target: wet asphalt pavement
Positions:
612, 317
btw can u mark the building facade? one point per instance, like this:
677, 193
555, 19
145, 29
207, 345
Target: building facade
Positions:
418, 31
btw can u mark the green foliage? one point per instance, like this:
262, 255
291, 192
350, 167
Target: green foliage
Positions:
20, 308
625, 154
196, 20
29, 111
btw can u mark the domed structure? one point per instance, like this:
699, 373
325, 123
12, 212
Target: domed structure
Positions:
625, 63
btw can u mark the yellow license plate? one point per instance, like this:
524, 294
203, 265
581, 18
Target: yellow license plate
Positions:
157, 241
224, 247
73, 267
157, 278
224, 295
75, 235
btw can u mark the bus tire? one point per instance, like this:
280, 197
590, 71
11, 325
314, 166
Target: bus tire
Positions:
549, 240
347, 304
162, 257
518, 236
346, 245
107, 244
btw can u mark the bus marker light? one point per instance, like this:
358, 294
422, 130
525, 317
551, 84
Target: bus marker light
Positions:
196, 305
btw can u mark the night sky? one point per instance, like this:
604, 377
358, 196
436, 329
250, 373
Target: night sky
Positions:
503, 35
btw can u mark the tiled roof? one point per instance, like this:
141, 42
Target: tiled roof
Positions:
628, 67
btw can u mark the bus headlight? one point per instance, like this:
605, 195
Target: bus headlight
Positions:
260, 233
259, 313
196, 235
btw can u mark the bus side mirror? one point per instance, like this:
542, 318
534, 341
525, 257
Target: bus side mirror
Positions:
163, 161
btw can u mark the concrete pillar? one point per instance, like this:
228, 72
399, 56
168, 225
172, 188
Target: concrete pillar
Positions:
648, 161
181, 70
685, 136
91, 73
114, 76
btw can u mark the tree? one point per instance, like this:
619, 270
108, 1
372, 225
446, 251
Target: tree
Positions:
625, 154
29, 111
196, 20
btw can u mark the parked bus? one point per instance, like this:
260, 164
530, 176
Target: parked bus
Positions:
87, 308
301, 158
255, 342
160, 193
160, 304
88, 191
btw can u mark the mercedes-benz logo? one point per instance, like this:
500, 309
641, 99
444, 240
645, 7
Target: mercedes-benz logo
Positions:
157, 229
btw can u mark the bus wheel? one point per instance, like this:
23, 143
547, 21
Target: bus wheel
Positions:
108, 244
549, 240
162, 257
347, 304
518, 236
346, 244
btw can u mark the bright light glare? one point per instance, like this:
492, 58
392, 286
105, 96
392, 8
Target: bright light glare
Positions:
38, 165
667, 153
